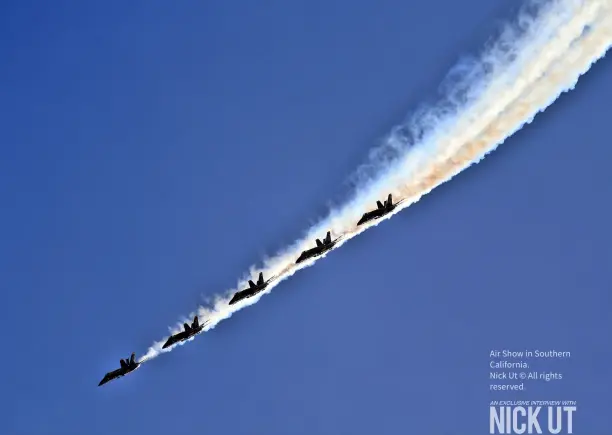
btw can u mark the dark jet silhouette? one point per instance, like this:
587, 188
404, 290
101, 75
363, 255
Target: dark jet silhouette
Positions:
252, 290
188, 332
127, 366
321, 247
379, 212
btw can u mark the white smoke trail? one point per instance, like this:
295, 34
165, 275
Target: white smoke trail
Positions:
525, 71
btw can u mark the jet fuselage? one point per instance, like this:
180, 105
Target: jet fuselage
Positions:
120, 372
376, 214
247, 293
187, 332
182, 336
314, 252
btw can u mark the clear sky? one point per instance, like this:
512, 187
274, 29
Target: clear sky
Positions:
151, 151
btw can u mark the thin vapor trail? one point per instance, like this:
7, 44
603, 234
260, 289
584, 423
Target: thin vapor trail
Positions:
525, 71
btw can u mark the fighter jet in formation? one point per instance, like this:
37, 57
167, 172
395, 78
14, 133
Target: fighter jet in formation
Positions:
380, 211
188, 332
252, 290
321, 247
127, 366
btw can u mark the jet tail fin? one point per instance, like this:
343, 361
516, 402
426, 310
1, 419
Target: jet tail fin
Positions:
379, 204
122, 363
195, 323
389, 200
260, 281
319, 244
186, 327
252, 284
328, 237
132, 359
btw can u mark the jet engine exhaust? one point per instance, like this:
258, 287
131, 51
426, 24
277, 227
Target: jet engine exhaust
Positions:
530, 65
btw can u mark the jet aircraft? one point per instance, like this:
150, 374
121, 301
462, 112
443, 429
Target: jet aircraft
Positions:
188, 332
252, 290
321, 247
127, 366
380, 211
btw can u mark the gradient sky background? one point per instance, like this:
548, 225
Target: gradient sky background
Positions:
152, 151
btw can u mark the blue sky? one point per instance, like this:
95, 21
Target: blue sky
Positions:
152, 151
